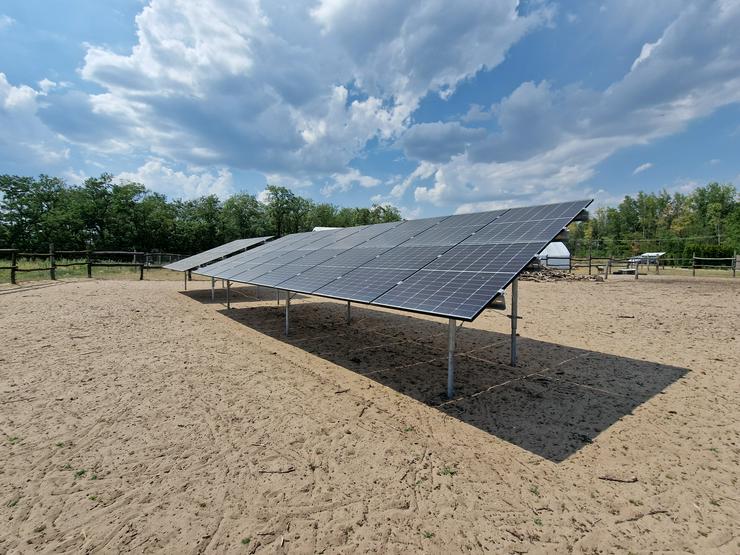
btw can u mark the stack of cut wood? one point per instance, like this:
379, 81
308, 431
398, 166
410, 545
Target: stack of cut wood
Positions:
546, 274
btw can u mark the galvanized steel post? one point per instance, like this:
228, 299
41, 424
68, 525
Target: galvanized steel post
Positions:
287, 312
514, 316
451, 358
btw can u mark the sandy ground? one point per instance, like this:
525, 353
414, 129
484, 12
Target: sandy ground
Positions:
136, 417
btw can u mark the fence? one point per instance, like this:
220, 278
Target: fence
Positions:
93, 259
606, 265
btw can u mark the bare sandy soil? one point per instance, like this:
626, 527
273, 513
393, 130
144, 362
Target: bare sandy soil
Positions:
135, 417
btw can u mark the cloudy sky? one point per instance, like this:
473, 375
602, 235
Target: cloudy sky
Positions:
431, 105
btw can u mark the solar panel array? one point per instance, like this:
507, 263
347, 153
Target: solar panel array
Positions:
216, 253
450, 266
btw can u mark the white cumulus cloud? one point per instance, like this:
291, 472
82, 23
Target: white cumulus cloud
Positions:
156, 175
296, 89
549, 141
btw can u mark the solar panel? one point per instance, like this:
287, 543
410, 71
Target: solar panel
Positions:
289, 266
449, 266
529, 224
216, 253
452, 294
386, 270
311, 279
217, 268
295, 267
461, 282
454, 229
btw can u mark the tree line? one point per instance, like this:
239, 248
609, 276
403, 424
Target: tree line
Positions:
103, 214
705, 222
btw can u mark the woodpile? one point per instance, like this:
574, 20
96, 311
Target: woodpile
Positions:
545, 274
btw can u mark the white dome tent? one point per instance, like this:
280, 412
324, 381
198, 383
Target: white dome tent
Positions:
555, 255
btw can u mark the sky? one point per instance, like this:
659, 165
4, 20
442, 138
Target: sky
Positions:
436, 107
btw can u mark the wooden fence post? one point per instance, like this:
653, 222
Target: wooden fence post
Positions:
141, 272
89, 263
693, 264
13, 266
734, 263
637, 270
52, 263
589, 259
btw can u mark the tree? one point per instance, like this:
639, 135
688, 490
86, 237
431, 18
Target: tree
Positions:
242, 215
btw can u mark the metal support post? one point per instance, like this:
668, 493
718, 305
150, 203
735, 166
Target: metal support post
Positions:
277, 295
228, 294
213, 288
287, 312
452, 332
349, 312
514, 316
637, 270
185, 275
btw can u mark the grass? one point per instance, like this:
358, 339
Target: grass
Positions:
448, 471
538, 521
80, 473
13, 440
534, 490
245, 541
428, 535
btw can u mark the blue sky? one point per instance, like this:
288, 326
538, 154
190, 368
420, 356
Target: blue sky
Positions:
433, 106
